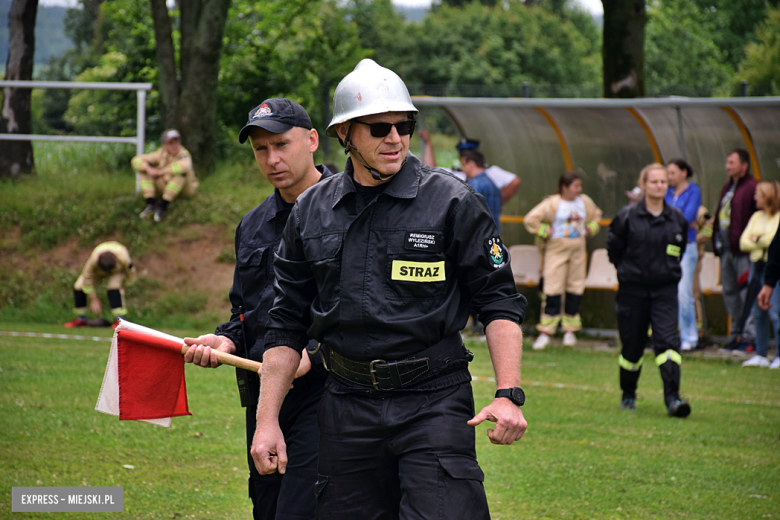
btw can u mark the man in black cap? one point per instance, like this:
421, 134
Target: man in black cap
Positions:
283, 142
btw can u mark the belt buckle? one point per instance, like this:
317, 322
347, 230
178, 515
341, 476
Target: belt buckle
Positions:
372, 371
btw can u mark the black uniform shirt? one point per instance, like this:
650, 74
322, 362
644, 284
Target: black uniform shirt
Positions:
389, 279
257, 237
646, 249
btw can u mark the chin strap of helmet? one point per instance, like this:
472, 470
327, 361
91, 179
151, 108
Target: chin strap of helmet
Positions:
350, 148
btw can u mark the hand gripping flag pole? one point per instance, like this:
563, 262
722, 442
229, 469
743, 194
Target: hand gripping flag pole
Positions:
144, 378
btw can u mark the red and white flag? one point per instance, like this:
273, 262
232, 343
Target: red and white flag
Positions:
144, 378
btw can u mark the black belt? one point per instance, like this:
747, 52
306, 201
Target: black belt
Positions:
393, 375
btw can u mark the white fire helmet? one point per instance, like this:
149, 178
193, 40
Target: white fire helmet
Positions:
369, 89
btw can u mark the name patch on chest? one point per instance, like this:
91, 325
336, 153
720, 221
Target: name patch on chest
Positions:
418, 271
422, 241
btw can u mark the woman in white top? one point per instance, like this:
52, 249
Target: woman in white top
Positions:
561, 223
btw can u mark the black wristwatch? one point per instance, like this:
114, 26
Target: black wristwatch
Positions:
516, 395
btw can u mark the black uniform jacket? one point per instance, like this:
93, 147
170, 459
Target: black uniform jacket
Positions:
390, 279
257, 237
646, 249
772, 269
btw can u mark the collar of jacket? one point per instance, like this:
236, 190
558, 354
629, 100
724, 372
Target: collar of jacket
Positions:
403, 185
643, 212
276, 204
742, 180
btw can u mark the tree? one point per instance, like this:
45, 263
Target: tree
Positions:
733, 24
188, 90
480, 50
17, 156
761, 66
623, 55
681, 56
300, 49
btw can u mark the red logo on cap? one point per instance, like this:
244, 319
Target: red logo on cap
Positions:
262, 111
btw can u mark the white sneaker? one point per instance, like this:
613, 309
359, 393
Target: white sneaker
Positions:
686, 345
541, 342
757, 361
569, 339
775, 364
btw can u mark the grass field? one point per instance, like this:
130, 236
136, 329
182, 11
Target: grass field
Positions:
582, 457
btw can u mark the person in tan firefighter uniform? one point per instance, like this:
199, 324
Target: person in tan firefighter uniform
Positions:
704, 223
166, 173
562, 222
109, 261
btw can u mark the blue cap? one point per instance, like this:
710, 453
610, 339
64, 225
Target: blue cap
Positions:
467, 144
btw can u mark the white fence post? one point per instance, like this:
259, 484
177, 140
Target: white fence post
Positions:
138, 140
140, 133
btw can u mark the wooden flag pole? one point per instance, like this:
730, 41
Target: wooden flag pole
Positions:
230, 359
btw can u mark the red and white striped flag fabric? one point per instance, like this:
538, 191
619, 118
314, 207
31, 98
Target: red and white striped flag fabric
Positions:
144, 378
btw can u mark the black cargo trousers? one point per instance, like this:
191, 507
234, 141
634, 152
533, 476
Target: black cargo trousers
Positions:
289, 496
403, 456
638, 306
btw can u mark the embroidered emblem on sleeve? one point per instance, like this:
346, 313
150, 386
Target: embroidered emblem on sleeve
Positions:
495, 251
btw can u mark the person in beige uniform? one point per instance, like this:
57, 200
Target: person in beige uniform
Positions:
562, 222
166, 173
704, 222
109, 261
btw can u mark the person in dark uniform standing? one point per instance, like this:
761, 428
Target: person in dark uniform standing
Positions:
283, 142
382, 264
646, 241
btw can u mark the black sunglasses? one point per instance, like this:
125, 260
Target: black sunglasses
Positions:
382, 129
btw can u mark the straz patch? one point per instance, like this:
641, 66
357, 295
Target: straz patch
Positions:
673, 250
406, 271
495, 251
422, 241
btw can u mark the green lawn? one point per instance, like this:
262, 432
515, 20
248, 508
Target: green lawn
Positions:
582, 456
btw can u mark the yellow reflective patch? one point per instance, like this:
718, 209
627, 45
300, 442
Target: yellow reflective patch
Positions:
706, 231
673, 250
418, 271
543, 230
628, 365
176, 167
174, 187
669, 355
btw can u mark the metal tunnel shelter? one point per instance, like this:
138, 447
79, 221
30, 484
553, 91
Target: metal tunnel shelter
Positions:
609, 141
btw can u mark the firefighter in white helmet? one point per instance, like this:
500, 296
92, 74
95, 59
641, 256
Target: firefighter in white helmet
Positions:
381, 265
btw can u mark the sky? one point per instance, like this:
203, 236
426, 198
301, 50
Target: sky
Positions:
594, 6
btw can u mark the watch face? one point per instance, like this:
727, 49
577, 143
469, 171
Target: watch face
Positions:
518, 396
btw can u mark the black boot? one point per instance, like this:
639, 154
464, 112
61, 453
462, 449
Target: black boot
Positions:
670, 375
628, 402
149, 209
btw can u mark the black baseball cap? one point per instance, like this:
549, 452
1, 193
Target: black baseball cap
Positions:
277, 115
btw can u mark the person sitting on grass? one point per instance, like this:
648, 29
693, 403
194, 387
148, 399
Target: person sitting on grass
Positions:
166, 173
111, 261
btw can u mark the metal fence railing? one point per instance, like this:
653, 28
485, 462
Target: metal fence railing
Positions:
138, 139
